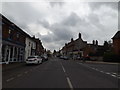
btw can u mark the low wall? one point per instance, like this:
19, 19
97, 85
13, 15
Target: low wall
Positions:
97, 58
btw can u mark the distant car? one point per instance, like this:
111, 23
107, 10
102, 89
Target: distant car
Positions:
86, 58
44, 57
78, 58
34, 60
61, 57
65, 58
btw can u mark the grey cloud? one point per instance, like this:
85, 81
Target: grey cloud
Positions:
51, 41
22, 16
25, 12
47, 38
44, 23
53, 4
74, 20
71, 26
97, 5
95, 20
63, 30
119, 15
71, 20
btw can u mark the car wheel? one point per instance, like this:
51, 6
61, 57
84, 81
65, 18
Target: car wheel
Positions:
38, 62
41, 61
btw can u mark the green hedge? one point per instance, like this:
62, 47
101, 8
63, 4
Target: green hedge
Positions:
111, 57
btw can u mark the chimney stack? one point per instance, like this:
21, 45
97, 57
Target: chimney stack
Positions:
93, 42
71, 39
79, 35
96, 42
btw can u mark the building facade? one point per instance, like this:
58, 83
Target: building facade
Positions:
30, 48
116, 43
13, 42
80, 48
74, 48
0, 39
39, 46
16, 44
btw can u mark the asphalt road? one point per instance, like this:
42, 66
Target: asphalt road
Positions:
58, 73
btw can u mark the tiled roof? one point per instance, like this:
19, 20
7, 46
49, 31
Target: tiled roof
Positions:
117, 35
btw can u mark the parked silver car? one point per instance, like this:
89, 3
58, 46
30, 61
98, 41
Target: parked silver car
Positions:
34, 60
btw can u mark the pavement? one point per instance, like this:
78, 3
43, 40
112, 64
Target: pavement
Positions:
102, 62
6, 67
58, 73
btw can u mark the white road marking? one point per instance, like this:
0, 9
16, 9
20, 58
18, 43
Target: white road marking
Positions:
107, 73
19, 75
10, 79
114, 75
102, 72
31, 69
96, 69
118, 75
93, 68
68, 80
63, 69
26, 72
69, 83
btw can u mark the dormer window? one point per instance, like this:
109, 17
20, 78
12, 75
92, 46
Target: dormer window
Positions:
29, 43
18, 35
3, 23
9, 31
10, 34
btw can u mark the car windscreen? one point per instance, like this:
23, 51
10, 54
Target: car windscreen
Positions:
30, 57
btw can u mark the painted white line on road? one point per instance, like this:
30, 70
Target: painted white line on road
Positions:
93, 68
31, 69
107, 73
69, 83
26, 72
102, 71
118, 75
96, 69
9, 79
19, 75
63, 69
79, 63
114, 75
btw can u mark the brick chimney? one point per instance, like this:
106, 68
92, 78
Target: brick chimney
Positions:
93, 42
96, 42
79, 35
71, 39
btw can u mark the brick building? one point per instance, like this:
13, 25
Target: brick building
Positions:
75, 47
80, 48
13, 42
16, 44
39, 46
30, 48
116, 43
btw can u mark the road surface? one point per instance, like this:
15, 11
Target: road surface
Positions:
58, 73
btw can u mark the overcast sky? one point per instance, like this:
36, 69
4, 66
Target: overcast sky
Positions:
55, 23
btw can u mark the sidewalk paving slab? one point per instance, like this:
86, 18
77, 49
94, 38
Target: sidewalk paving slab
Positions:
6, 67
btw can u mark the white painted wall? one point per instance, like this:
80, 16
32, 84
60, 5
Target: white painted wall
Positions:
29, 46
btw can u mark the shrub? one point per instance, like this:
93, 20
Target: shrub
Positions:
111, 57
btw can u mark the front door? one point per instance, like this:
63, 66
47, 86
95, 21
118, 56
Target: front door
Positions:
7, 55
